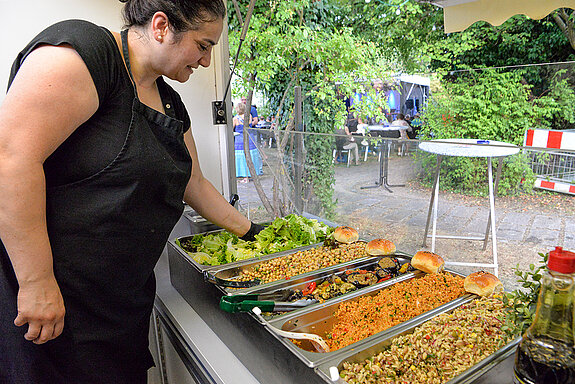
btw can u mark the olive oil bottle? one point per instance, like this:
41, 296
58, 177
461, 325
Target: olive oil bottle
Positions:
546, 354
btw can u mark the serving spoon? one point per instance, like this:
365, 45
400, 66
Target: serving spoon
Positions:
316, 340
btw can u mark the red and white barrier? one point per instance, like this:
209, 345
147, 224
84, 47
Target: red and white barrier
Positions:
555, 186
543, 138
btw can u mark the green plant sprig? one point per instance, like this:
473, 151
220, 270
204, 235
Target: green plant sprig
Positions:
523, 301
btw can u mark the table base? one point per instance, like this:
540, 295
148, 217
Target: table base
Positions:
385, 150
432, 216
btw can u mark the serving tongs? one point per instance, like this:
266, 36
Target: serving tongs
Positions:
231, 283
245, 303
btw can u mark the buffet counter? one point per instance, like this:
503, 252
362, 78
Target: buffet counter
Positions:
213, 346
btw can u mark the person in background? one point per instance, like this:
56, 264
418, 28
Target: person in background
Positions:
96, 159
416, 124
351, 123
242, 170
403, 133
253, 112
347, 142
254, 120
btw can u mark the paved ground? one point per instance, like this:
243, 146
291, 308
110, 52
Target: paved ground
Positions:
525, 226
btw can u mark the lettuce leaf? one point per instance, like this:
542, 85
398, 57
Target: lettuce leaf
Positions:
282, 234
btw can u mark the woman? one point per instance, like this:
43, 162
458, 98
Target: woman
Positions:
348, 143
403, 132
96, 156
242, 170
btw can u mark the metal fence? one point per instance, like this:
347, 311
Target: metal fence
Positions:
555, 169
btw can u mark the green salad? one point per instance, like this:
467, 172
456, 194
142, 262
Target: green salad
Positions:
282, 234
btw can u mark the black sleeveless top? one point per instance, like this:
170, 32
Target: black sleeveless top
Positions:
114, 192
98, 141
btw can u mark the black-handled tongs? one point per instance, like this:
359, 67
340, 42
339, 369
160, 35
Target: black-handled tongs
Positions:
231, 283
245, 303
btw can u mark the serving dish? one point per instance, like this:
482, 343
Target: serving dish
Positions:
286, 288
319, 319
330, 370
232, 272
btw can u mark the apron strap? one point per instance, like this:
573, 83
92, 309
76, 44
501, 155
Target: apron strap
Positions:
164, 94
124, 35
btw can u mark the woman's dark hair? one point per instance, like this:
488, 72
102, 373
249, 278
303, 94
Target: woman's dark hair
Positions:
184, 15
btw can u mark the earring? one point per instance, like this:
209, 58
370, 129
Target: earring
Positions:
159, 37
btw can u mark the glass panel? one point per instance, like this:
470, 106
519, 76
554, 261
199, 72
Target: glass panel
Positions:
388, 194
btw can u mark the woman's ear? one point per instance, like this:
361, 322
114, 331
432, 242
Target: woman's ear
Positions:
160, 26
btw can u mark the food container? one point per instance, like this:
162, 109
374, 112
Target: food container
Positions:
174, 249
231, 272
301, 283
198, 224
319, 319
329, 370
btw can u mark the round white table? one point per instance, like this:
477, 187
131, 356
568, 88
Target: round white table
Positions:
468, 148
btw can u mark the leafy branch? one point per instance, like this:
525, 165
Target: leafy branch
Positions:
523, 301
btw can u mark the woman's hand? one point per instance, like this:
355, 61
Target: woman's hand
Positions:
41, 306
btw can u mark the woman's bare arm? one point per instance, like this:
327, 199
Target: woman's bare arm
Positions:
52, 94
207, 201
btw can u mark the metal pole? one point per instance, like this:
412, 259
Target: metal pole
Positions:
433, 198
492, 216
298, 166
499, 164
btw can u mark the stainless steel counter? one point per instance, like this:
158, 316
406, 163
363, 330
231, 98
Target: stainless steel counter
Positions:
219, 347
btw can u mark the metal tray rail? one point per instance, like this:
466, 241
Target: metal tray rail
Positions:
319, 319
327, 368
232, 270
299, 283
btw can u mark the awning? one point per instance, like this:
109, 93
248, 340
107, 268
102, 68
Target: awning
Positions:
460, 14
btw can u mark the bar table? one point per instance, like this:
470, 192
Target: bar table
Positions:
488, 149
384, 133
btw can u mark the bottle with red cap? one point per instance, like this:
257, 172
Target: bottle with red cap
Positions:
546, 354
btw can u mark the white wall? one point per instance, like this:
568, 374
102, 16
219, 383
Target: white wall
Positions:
23, 19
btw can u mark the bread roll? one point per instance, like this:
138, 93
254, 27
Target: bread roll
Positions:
482, 283
379, 247
345, 235
427, 262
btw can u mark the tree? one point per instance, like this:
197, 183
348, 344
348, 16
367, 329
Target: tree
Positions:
299, 43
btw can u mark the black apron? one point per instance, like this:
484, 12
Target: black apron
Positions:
107, 233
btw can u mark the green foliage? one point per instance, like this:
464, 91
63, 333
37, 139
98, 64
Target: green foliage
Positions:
490, 105
523, 302
332, 48
301, 43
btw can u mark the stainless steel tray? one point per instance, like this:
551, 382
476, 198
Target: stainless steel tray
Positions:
198, 224
319, 319
373, 347
203, 227
299, 283
233, 270
173, 247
